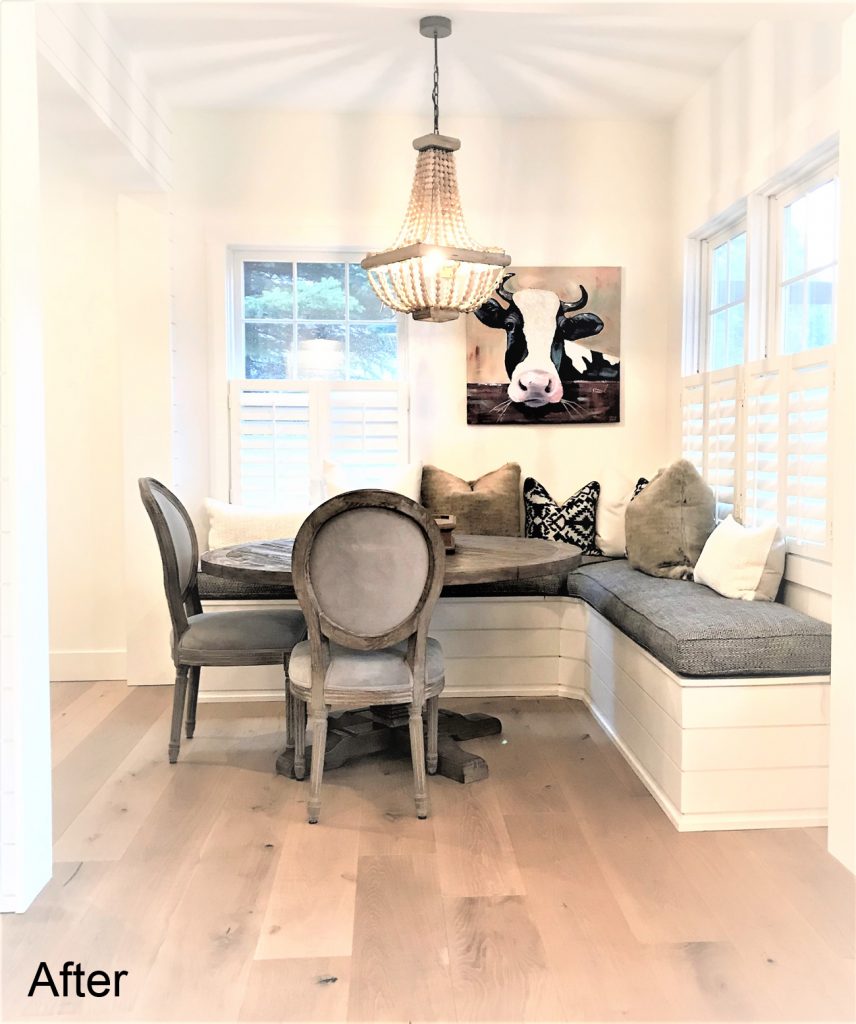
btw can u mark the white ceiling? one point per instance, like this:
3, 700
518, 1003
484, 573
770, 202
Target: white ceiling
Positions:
537, 59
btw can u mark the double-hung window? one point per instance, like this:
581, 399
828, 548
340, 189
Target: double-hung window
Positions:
757, 390
317, 374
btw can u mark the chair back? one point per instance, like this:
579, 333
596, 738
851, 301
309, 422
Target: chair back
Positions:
367, 568
179, 551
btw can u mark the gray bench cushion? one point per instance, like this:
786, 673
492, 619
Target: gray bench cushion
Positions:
696, 632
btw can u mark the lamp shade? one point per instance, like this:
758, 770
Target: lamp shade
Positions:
435, 270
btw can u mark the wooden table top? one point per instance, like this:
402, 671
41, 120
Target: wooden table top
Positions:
475, 560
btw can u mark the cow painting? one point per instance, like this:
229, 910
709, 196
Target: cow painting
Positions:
556, 371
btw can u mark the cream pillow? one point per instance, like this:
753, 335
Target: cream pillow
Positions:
616, 493
406, 480
742, 561
238, 524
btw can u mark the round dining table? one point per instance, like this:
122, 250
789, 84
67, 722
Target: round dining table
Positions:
475, 560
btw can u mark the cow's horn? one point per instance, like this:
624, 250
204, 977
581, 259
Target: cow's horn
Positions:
569, 307
502, 291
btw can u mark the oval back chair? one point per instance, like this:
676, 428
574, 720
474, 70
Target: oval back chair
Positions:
368, 568
253, 636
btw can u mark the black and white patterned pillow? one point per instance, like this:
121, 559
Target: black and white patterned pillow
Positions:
572, 522
641, 484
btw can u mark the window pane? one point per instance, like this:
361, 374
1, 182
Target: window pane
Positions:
719, 276
718, 335
320, 352
793, 310
821, 289
267, 351
267, 291
737, 268
362, 301
735, 335
822, 218
321, 291
374, 352
795, 238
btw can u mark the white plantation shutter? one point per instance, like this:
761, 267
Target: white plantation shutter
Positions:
282, 431
367, 427
807, 450
272, 444
692, 420
722, 404
762, 432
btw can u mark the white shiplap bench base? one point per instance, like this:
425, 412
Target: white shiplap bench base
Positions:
715, 753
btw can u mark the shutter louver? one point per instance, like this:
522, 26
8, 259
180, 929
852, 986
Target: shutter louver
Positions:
808, 404
365, 429
720, 439
271, 444
692, 420
762, 452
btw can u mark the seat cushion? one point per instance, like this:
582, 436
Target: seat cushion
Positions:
238, 634
354, 671
696, 632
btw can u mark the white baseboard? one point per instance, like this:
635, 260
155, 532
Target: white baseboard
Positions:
86, 666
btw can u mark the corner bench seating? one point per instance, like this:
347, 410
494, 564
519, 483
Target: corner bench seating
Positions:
720, 706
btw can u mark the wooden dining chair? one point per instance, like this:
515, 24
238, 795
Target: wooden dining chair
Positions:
252, 636
367, 567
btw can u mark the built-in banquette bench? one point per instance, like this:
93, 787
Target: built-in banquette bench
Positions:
719, 705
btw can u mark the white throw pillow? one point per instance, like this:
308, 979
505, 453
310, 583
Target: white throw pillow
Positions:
742, 561
615, 495
406, 480
238, 524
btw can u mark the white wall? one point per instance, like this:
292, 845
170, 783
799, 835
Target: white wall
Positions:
25, 780
842, 765
773, 100
83, 424
551, 193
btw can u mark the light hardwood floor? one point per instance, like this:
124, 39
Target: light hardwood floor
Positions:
554, 890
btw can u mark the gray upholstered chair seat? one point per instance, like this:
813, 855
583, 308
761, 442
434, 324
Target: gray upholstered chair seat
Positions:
351, 671
260, 630
696, 632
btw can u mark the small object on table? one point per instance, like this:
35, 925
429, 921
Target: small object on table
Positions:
447, 526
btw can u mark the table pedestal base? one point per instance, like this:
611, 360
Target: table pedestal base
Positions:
355, 733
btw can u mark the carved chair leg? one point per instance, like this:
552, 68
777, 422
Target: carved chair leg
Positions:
299, 724
192, 699
433, 715
319, 747
289, 709
178, 697
417, 750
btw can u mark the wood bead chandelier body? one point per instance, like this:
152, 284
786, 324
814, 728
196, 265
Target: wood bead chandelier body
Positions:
435, 270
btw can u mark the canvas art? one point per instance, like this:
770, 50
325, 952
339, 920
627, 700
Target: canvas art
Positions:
546, 348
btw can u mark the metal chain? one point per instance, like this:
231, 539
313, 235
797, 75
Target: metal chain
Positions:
435, 92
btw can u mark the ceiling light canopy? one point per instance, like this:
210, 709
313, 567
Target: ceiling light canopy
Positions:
435, 270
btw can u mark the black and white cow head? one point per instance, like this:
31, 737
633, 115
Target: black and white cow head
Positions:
542, 351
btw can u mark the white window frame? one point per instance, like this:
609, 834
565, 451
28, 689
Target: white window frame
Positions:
320, 391
761, 216
708, 245
777, 201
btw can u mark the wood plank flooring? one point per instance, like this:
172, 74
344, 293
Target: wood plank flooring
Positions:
554, 890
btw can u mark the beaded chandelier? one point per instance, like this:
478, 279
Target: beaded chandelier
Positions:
435, 270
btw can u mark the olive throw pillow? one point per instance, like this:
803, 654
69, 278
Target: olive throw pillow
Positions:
572, 522
668, 522
489, 506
